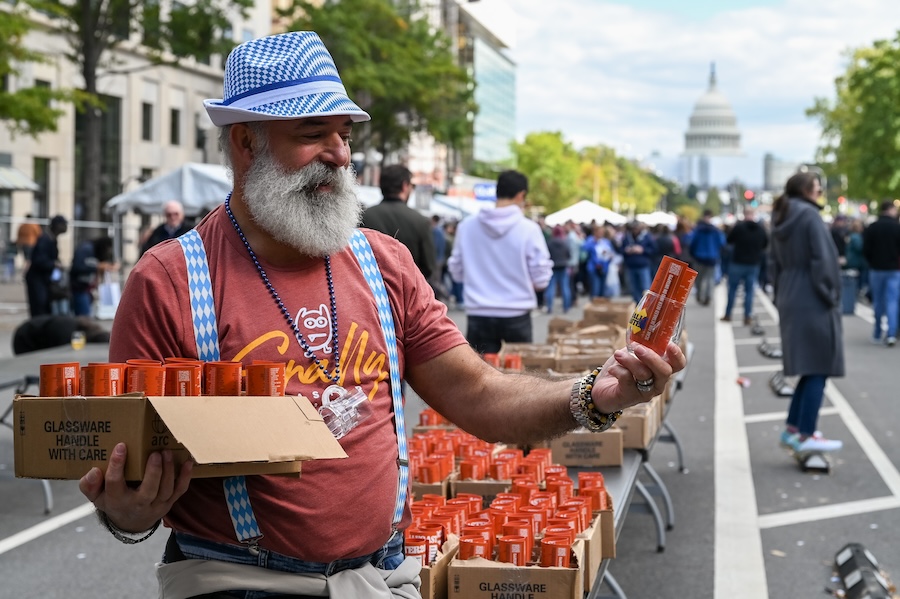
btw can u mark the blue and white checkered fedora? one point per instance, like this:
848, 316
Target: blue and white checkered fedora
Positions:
280, 77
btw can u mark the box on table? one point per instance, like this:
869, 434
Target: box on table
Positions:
604, 311
574, 358
611, 333
535, 356
561, 326
421, 429
487, 488
593, 550
659, 409
638, 425
64, 437
418, 489
434, 575
607, 529
478, 578
584, 448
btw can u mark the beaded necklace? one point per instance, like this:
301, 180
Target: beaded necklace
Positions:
307, 350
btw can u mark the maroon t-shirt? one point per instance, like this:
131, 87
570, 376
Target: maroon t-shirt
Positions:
338, 508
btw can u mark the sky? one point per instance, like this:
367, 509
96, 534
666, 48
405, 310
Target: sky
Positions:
626, 73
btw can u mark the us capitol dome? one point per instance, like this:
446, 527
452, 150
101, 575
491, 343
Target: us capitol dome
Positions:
712, 129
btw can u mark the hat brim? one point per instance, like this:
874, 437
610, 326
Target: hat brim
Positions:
312, 105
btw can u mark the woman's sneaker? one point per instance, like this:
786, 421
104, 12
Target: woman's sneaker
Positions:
817, 443
789, 439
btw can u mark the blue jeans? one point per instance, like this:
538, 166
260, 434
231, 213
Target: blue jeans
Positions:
885, 288
388, 557
638, 281
82, 301
805, 403
561, 278
737, 274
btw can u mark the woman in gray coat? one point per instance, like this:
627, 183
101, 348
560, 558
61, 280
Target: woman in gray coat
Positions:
808, 297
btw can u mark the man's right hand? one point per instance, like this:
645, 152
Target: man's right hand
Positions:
136, 509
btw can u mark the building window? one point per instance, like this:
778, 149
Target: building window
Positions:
146, 174
146, 121
41, 84
40, 203
175, 126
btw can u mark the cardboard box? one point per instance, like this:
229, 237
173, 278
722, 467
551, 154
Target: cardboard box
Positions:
535, 356
63, 438
434, 576
604, 311
638, 426
584, 448
607, 530
486, 488
419, 489
593, 551
574, 358
478, 578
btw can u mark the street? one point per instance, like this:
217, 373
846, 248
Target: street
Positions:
748, 523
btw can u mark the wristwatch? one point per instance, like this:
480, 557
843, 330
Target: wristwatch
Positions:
582, 405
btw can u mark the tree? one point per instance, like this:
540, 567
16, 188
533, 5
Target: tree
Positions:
396, 67
552, 166
28, 110
94, 28
713, 201
861, 126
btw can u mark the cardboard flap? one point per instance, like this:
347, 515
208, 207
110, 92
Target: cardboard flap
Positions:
218, 430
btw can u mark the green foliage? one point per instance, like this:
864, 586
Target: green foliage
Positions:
559, 175
861, 126
713, 201
396, 67
28, 110
552, 166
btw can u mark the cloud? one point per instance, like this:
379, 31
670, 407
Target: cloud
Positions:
610, 73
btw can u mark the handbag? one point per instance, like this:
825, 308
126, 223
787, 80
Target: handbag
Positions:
108, 292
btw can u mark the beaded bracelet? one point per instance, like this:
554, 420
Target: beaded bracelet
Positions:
582, 405
122, 535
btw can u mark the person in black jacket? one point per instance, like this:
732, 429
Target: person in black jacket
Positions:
175, 225
748, 240
44, 267
881, 248
393, 217
558, 246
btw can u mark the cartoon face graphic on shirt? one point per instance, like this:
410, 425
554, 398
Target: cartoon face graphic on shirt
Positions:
315, 326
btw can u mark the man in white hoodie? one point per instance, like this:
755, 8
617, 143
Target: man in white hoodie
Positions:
501, 258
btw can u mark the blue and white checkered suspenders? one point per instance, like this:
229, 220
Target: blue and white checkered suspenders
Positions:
206, 335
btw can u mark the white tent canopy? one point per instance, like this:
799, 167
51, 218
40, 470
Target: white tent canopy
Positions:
658, 218
584, 212
199, 187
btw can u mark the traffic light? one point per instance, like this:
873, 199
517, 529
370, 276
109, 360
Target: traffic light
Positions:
748, 195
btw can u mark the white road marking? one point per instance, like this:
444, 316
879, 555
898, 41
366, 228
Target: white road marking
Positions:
779, 416
773, 367
825, 512
740, 568
47, 526
756, 340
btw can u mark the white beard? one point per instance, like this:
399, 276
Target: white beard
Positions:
288, 207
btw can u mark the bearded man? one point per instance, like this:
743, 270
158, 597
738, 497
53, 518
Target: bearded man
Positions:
284, 246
